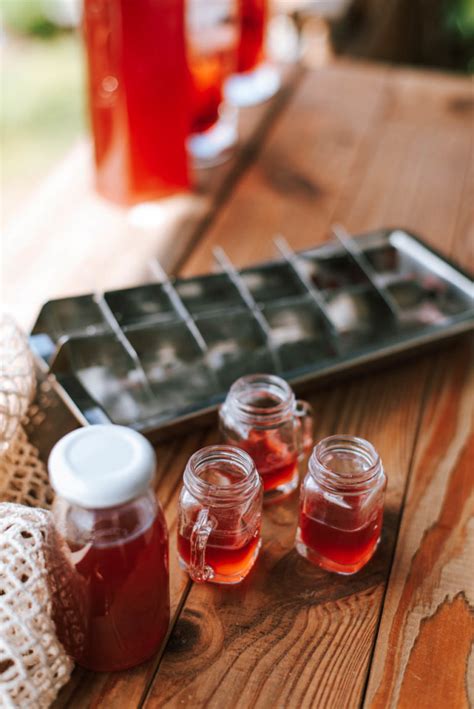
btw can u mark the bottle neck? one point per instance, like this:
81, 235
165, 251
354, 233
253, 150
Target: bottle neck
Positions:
260, 400
221, 476
346, 464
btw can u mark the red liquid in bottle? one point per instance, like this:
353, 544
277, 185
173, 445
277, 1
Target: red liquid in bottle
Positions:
253, 15
342, 550
228, 555
276, 464
124, 598
138, 97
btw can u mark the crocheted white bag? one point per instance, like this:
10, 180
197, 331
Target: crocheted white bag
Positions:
17, 378
33, 664
23, 476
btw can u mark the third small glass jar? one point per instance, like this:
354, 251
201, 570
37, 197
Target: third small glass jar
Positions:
262, 416
341, 504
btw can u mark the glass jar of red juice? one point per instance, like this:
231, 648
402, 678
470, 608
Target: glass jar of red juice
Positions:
219, 515
262, 416
115, 543
341, 504
138, 91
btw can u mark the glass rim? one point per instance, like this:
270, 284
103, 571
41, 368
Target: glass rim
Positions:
349, 482
220, 494
278, 387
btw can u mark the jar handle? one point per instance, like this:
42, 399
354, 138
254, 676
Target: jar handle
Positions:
303, 413
203, 526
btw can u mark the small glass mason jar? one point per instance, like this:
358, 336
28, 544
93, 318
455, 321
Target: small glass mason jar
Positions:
341, 504
112, 604
262, 416
219, 515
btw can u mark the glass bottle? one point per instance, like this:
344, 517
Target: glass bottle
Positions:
341, 504
138, 97
262, 416
211, 39
219, 516
115, 541
255, 80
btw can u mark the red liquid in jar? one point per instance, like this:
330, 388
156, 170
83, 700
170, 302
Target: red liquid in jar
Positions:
253, 15
227, 554
124, 592
138, 97
276, 464
341, 549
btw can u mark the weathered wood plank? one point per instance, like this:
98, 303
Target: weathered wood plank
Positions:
365, 145
305, 164
425, 641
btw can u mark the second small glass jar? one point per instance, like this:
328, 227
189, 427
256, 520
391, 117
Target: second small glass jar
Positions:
262, 416
341, 504
219, 515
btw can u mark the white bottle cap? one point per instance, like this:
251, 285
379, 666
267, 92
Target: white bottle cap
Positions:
101, 466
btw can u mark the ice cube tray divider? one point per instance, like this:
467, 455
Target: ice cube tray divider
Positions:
228, 267
291, 258
163, 278
124, 341
360, 260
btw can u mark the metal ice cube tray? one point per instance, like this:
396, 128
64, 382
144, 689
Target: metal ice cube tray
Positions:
155, 355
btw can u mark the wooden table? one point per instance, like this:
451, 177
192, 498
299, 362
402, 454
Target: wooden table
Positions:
367, 146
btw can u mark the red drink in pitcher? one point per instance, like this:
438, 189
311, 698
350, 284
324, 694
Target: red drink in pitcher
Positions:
253, 17
208, 72
138, 97
211, 27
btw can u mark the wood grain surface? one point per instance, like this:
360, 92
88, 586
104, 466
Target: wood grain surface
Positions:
424, 645
369, 146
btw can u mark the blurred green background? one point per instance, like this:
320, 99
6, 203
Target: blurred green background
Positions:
42, 83
42, 92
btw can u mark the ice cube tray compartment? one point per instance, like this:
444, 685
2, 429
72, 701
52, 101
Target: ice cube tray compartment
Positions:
236, 345
206, 294
109, 374
63, 318
149, 303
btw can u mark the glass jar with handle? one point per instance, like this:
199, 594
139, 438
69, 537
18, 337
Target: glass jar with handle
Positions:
262, 416
219, 518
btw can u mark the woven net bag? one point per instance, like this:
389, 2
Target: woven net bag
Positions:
23, 476
33, 664
17, 379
